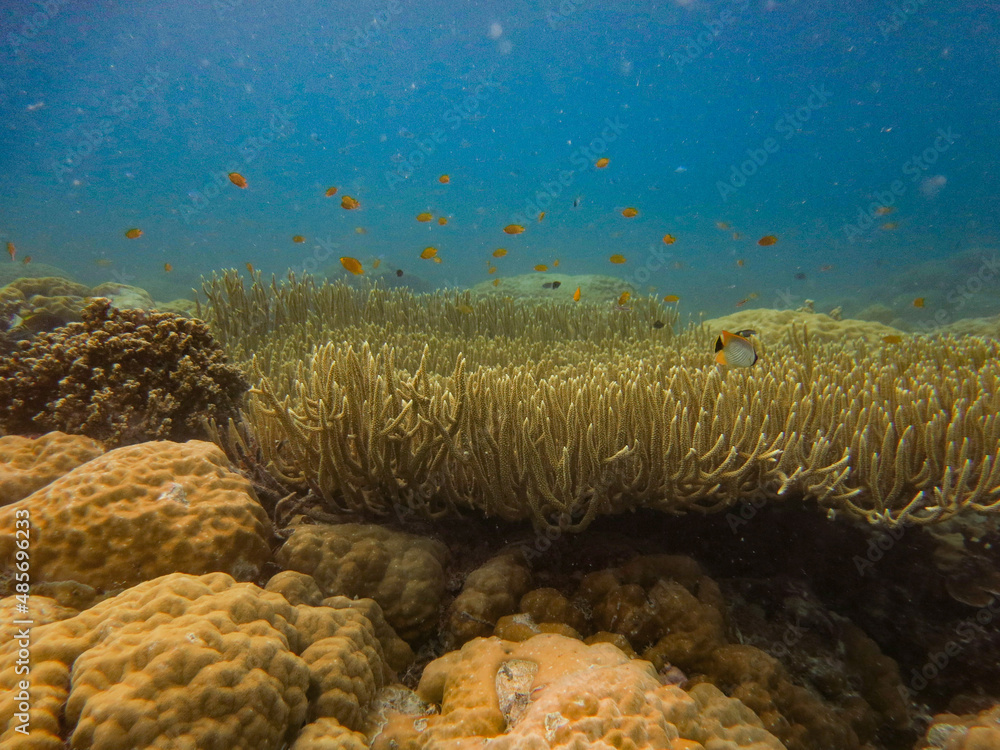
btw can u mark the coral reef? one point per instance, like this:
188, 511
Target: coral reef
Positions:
593, 287
971, 732
28, 464
189, 661
402, 572
552, 691
120, 376
139, 512
774, 325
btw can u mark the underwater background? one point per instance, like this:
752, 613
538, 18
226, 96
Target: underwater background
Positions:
553, 374
783, 118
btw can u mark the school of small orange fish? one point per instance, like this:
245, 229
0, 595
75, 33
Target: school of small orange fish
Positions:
355, 266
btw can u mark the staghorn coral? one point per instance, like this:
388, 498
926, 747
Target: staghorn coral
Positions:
119, 376
138, 512
402, 572
556, 692
193, 661
28, 464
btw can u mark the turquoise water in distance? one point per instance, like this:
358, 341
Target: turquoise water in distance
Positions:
796, 119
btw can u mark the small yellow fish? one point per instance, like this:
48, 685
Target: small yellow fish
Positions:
624, 298
353, 265
671, 298
376, 263
167, 267
576, 295
499, 252
496, 282
250, 266
464, 309
555, 263
491, 269
436, 259
630, 213
360, 230
541, 267
541, 216
133, 233
918, 302
617, 259
884, 210
442, 220
428, 252
425, 217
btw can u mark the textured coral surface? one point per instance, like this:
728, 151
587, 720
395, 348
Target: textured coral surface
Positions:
139, 512
27, 464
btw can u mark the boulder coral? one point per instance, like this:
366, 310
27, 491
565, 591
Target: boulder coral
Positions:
556, 692
402, 572
28, 464
194, 661
139, 512
120, 376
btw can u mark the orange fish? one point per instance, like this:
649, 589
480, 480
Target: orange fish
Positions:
884, 210
890, 225
428, 252
826, 268
893, 339
555, 263
602, 162
436, 259
353, 265
349, 203
513, 229
629, 213
918, 302
330, 192
444, 179
492, 270
624, 298
742, 302
541, 267
736, 235
669, 239
250, 267
617, 259
133, 233
576, 295
27, 259
11, 250
722, 225
671, 298
298, 238
541, 216
499, 252
237, 179
424, 217
167, 267
376, 263
767, 240
741, 262
496, 282
442, 221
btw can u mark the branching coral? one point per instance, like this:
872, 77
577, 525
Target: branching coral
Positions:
617, 421
121, 376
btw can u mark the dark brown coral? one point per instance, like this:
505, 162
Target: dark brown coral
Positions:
121, 376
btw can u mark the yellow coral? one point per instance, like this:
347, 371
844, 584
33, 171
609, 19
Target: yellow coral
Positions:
139, 512
402, 572
28, 464
192, 661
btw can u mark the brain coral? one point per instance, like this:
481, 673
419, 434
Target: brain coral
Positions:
193, 661
28, 464
556, 692
121, 376
139, 512
402, 572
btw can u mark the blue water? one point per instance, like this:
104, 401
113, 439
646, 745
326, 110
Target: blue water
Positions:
120, 115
